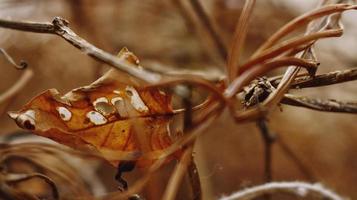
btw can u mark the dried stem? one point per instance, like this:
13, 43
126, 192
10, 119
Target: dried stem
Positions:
21, 83
194, 177
255, 72
13, 90
268, 140
329, 105
298, 162
209, 25
300, 189
302, 20
178, 174
239, 39
60, 27
288, 45
321, 80
22, 64
15, 178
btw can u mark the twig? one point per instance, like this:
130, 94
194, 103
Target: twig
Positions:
329, 105
300, 189
22, 64
239, 39
59, 26
255, 72
25, 77
195, 181
178, 174
14, 90
302, 20
208, 24
298, 162
268, 140
14, 178
322, 79
288, 45
314, 28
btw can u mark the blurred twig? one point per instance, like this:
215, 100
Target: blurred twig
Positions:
15, 178
186, 162
22, 64
329, 105
20, 84
268, 140
298, 162
300, 189
208, 24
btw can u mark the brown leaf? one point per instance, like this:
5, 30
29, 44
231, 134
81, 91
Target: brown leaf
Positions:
113, 116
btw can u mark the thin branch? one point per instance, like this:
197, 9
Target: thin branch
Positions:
209, 25
300, 189
239, 39
178, 174
302, 20
195, 181
25, 77
275, 97
13, 90
315, 27
288, 45
298, 162
60, 27
268, 140
321, 80
255, 72
21, 65
15, 178
329, 105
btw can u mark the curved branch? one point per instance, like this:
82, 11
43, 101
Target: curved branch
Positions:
15, 178
21, 83
254, 72
303, 20
21, 65
239, 39
289, 44
299, 189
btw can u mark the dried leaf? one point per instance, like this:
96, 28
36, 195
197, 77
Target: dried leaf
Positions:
104, 117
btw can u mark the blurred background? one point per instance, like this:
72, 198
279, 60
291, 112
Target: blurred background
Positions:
229, 155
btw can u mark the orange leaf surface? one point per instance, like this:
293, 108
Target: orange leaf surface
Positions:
113, 116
